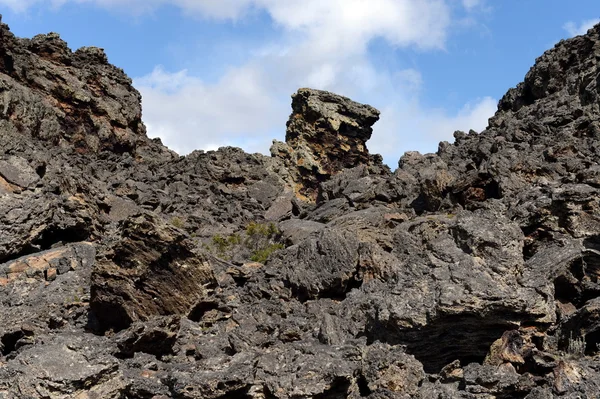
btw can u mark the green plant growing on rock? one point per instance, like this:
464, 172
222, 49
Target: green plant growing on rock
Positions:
178, 222
257, 233
260, 239
220, 244
258, 242
225, 245
261, 255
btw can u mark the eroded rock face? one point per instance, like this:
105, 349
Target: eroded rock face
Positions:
68, 98
126, 272
152, 270
326, 134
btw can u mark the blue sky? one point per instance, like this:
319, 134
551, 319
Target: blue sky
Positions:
221, 72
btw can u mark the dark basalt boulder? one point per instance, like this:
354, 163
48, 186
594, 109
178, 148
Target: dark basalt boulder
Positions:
152, 270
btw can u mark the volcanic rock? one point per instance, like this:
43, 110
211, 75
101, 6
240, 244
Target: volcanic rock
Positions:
129, 272
152, 270
326, 133
68, 98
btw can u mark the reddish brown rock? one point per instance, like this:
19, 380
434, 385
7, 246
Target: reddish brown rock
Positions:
48, 264
70, 99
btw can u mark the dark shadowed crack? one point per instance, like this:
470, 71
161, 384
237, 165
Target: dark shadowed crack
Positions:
465, 338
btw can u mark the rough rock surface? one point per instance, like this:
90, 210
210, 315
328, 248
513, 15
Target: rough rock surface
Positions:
326, 134
152, 270
70, 99
129, 272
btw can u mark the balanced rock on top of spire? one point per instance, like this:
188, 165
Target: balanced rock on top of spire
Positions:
326, 133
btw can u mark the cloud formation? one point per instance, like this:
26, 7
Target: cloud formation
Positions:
574, 29
189, 114
322, 44
325, 46
470, 4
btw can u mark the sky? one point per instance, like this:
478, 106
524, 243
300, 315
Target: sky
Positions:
215, 73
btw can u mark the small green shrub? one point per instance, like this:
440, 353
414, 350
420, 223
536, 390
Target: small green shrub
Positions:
261, 255
258, 235
177, 222
261, 230
258, 242
220, 244
234, 239
225, 245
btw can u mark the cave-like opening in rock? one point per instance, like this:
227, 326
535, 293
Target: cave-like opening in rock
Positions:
466, 338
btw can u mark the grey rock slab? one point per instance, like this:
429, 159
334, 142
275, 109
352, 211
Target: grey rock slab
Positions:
16, 170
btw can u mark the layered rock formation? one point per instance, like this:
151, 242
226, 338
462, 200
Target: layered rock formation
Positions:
129, 272
74, 100
326, 134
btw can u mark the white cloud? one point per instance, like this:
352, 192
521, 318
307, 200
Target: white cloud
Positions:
409, 80
340, 25
18, 5
411, 127
222, 9
473, 115
470, 4
188, 114
323, 44
348, 25
575, 30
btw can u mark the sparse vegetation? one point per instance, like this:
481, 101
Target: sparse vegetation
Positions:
258, 242
224, 245
576, 346
178, 222
261, 255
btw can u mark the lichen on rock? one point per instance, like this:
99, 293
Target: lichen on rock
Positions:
326, 133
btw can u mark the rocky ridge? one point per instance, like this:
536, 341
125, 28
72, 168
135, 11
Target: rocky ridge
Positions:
129, 272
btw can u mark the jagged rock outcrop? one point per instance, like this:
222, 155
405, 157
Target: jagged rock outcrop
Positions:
326, 134
129, 272
46, 290
75, 99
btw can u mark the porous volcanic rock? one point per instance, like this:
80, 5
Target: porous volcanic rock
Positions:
326, 133
68, 98
151, 270
129, 272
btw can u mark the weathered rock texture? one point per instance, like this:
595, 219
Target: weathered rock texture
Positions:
67, 99
152, 270
129, 272
326, 134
